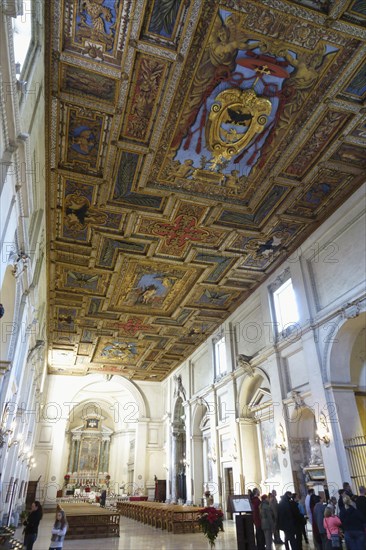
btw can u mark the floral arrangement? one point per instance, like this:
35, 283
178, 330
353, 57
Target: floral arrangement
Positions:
67, 479
211, 523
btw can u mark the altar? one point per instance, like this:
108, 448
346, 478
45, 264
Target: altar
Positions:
88, 462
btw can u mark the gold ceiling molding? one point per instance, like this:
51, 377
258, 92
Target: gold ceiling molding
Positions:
189, 152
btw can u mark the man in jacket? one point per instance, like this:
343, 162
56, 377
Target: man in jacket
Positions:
286, 522
273, 502
318, 516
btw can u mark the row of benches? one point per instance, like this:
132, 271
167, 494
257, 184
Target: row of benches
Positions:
172, 517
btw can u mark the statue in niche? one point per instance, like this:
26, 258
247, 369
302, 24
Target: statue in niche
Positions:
297, 399
244, 362
316, 458
179, 390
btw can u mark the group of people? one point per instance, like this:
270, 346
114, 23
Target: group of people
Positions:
31, 527
331, 521
335, 520
271, 516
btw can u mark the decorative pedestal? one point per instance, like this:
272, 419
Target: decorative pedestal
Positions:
314, 473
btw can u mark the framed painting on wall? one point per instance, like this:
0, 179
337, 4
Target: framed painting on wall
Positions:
270, 454
89, 455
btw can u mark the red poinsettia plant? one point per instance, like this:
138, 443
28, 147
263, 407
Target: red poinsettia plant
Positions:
211, 523
66, 478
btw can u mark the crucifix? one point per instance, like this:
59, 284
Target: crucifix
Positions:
261, 71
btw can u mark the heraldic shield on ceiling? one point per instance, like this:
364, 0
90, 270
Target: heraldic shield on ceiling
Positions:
245, 92
235, 117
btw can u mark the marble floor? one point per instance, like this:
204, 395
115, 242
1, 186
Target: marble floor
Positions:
137, 536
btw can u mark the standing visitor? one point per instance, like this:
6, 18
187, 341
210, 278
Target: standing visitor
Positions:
259, 534
352, 524
300, 520
31, 524
332, 523
308, 505
58, 531
318, 519
267, 521
103, 498
346, 491
273, 502
361, 504
286, 521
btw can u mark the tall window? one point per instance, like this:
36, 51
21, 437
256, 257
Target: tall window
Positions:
286, 311
22, 34
220, 357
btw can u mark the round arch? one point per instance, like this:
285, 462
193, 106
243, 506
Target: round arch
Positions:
302, 423
256, 429
118, 382
88, 407
198, 414
304, 445
339, 352
201, 468
346, 371
249, 386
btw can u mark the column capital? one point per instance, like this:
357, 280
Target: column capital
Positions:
247, 421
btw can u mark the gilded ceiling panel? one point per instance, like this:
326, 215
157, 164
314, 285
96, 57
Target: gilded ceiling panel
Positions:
82, 83
124, 352
177, 234
81, 214
152, 287
351, 154
150, 75
192, 147
93, 29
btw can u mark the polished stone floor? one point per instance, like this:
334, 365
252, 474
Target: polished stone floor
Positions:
137, 536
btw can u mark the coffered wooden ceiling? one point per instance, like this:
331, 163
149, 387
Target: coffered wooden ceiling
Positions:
192, 146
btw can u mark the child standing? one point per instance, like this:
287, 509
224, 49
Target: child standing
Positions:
58, 531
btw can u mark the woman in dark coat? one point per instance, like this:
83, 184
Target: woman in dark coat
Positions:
352, 524
314, 499
286, 520
31, 525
